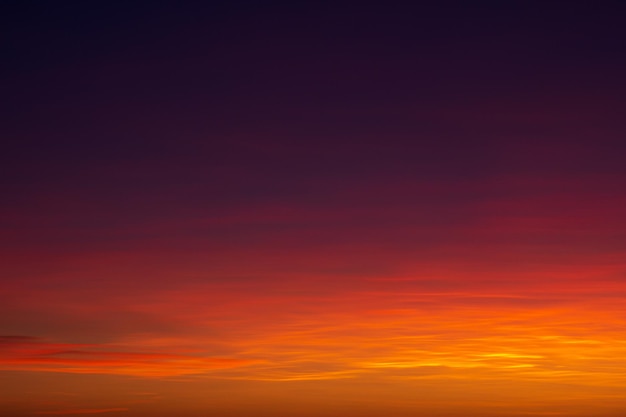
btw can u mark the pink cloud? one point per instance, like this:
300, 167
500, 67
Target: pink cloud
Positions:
38, 355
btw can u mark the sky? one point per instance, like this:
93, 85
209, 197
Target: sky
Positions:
350, 209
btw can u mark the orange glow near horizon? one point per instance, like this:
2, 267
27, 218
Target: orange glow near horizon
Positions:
469, 340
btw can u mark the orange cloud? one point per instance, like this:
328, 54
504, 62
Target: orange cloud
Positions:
82, 411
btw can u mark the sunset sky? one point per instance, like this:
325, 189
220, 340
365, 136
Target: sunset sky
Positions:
237, 209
